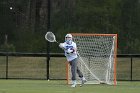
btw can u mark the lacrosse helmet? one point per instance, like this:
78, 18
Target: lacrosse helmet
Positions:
68, 38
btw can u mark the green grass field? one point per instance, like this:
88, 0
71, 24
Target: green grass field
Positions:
34, 67
44, 86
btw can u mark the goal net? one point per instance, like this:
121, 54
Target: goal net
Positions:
97, 57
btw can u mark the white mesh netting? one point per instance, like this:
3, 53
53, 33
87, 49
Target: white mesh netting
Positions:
97, 57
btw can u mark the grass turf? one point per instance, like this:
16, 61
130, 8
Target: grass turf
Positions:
52, 86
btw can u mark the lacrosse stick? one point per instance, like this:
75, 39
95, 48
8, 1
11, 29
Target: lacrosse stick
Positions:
50, 37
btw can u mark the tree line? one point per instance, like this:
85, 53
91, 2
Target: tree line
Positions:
23, 27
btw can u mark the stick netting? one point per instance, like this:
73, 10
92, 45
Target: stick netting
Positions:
97, 57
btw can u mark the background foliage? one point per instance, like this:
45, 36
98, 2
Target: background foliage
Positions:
23, 27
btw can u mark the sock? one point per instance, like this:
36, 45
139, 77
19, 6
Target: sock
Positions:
74, 82
83, 78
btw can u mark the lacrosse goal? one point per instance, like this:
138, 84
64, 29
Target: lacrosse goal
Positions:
97, 57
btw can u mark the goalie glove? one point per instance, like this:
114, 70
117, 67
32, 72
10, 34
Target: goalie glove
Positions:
61, 45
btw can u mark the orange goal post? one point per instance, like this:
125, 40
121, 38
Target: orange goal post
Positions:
96, 58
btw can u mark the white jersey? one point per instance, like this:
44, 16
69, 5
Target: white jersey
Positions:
73, 55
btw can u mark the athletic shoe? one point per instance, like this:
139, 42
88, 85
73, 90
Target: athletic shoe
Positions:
84, 81
73, 85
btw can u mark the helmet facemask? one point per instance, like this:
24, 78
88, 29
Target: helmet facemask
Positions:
68, 38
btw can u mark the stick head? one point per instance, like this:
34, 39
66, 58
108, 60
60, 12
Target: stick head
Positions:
50, 37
